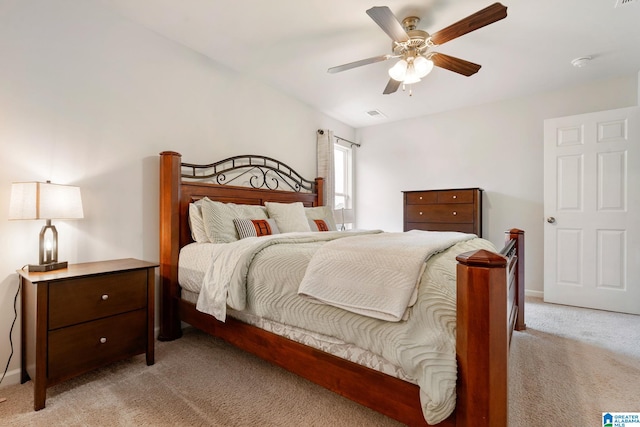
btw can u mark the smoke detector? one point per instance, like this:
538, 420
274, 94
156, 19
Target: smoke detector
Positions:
581, 62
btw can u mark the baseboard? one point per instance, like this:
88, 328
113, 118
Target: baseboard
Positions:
12, 378
535, 294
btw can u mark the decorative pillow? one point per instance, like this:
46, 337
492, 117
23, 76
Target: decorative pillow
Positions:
255, 227
289, 216
218, 219
318, 225
324, 213
196, 223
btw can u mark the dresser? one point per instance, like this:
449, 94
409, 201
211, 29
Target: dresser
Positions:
444, 210
83, 317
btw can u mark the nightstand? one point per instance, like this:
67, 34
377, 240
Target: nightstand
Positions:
83, 317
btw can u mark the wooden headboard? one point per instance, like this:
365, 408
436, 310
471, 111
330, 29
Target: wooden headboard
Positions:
264, 180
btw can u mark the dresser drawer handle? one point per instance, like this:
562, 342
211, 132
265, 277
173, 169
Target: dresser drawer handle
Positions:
103, 340
420, 213
455, 213
420, 197
105, 297
455, 197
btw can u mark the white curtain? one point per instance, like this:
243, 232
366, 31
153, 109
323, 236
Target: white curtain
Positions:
326, 164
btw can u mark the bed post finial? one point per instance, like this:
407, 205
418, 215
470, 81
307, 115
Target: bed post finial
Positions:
170, 171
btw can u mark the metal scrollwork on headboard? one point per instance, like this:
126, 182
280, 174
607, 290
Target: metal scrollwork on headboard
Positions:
249, 171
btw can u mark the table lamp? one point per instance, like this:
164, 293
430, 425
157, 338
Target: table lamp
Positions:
44, 200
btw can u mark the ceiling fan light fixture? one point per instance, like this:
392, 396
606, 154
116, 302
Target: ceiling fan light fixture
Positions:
423, 66
412, 75
399, 70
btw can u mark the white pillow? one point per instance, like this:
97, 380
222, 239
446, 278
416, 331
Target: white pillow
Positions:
321, 213
255, 227
218, 219
289, 217
196, 223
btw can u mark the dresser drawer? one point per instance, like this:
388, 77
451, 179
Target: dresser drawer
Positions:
421, 198
455, 196
447, 213
82, 299
441, 226
81, 348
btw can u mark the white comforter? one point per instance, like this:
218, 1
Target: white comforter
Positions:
224, 281
423, 345
374, 275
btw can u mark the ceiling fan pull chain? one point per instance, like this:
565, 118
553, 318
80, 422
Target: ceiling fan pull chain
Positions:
404, 88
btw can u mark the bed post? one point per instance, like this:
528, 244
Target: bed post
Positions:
170, 179
319, 190
482, 340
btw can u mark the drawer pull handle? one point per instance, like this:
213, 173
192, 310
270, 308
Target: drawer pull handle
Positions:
103, 340
420, 213
455, 197
455, 213
420, 197
105, 297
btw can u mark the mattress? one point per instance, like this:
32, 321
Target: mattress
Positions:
316, 340
194, 261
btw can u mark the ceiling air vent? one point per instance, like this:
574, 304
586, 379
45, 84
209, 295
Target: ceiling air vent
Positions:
375, 114
620, 3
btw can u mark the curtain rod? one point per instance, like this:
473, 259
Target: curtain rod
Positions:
346, 140
321, 132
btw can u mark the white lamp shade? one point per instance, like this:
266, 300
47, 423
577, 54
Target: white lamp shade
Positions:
43, 200
423, 66
398, 71
411, 76
343, 216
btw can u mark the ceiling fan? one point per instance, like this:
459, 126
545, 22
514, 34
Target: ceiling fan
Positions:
414, 46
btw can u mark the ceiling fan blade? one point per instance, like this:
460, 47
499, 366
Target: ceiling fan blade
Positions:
484, 17
456, 65
359, 63
392, 86
383, 16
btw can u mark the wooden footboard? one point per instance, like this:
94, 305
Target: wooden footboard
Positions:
490, 299
490, 304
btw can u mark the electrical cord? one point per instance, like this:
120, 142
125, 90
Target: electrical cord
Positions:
15, 317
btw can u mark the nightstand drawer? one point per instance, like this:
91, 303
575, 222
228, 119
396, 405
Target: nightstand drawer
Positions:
440, 213
86, 346
82, 299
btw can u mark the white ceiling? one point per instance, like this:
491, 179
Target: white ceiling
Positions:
290, 44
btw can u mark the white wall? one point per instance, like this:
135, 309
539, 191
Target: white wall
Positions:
90, 99
497, 147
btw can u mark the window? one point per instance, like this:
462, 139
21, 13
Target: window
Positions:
343, 185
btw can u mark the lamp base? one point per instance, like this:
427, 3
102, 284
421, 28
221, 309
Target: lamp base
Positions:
48, 267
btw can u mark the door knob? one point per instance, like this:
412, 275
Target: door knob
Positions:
551, 220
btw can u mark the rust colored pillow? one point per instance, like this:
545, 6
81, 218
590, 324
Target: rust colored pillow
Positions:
318, 225
255, 227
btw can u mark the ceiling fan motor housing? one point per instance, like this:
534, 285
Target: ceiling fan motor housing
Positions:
417, 43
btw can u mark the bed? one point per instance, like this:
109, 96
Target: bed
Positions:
489, 301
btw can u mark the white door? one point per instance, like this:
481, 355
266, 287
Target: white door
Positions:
592, 210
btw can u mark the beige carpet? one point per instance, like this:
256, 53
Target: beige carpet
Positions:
568, 367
